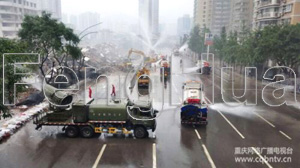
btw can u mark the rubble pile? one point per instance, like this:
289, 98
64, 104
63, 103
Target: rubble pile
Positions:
105, 54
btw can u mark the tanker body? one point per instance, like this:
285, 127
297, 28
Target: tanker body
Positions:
121, 117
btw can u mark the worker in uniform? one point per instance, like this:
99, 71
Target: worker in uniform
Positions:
90, 92
113, 92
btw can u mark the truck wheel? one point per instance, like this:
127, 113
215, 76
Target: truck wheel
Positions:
86, 132
72, 131
140, 132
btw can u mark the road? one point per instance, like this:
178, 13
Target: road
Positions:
173, 145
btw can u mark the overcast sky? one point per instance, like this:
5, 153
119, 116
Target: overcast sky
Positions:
170, 10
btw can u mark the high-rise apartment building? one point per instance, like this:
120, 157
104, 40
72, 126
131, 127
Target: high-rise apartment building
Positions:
86, 20
51, 6
220, 15
268, 12
12, 13
202, 13
212, 14
241, 15
149, 17
184, 25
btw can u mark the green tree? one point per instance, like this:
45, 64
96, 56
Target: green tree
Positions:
231, 50
220, 44
11, 46
288, 40
195, 40
50, 38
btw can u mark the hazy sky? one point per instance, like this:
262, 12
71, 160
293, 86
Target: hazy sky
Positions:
170, 10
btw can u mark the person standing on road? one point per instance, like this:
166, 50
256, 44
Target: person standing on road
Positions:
113, 92
90, 92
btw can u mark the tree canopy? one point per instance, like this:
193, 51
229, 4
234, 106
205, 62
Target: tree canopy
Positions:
11, 46
279, 43
51, 39
196, 41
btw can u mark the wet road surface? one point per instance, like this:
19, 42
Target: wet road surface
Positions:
173, 145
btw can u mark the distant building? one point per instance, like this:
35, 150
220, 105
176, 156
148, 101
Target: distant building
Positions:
184, 25
73, 22
169, 29
155, 17
268, 12
202, 13
12, 13
51, 6
220, 15
212, 14
149, 17
65, 18
86, 20
241, 15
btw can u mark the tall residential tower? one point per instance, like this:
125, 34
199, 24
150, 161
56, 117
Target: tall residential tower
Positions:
267, 12
12, 13
212, 14
149, 18
51, 6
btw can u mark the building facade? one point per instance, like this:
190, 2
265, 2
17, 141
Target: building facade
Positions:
202, 13
12, 13
149, 17
220, 16
268, 12
184, 25
241, 15
51, 6
212, 14
86, 20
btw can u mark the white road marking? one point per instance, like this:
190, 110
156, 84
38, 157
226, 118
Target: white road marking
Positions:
261, 157
154, 155
208, 157
99, 156
285, 135
208, 100
231, 125
229, 122
265, 120
198, 135
237, 100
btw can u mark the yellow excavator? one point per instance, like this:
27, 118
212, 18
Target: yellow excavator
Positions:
143, 81
147, 60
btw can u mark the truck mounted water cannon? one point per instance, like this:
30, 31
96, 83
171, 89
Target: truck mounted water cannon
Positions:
95, 117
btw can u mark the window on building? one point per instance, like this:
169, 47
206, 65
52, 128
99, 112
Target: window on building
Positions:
288, 8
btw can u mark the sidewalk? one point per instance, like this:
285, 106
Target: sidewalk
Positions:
262, 83
9, 126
